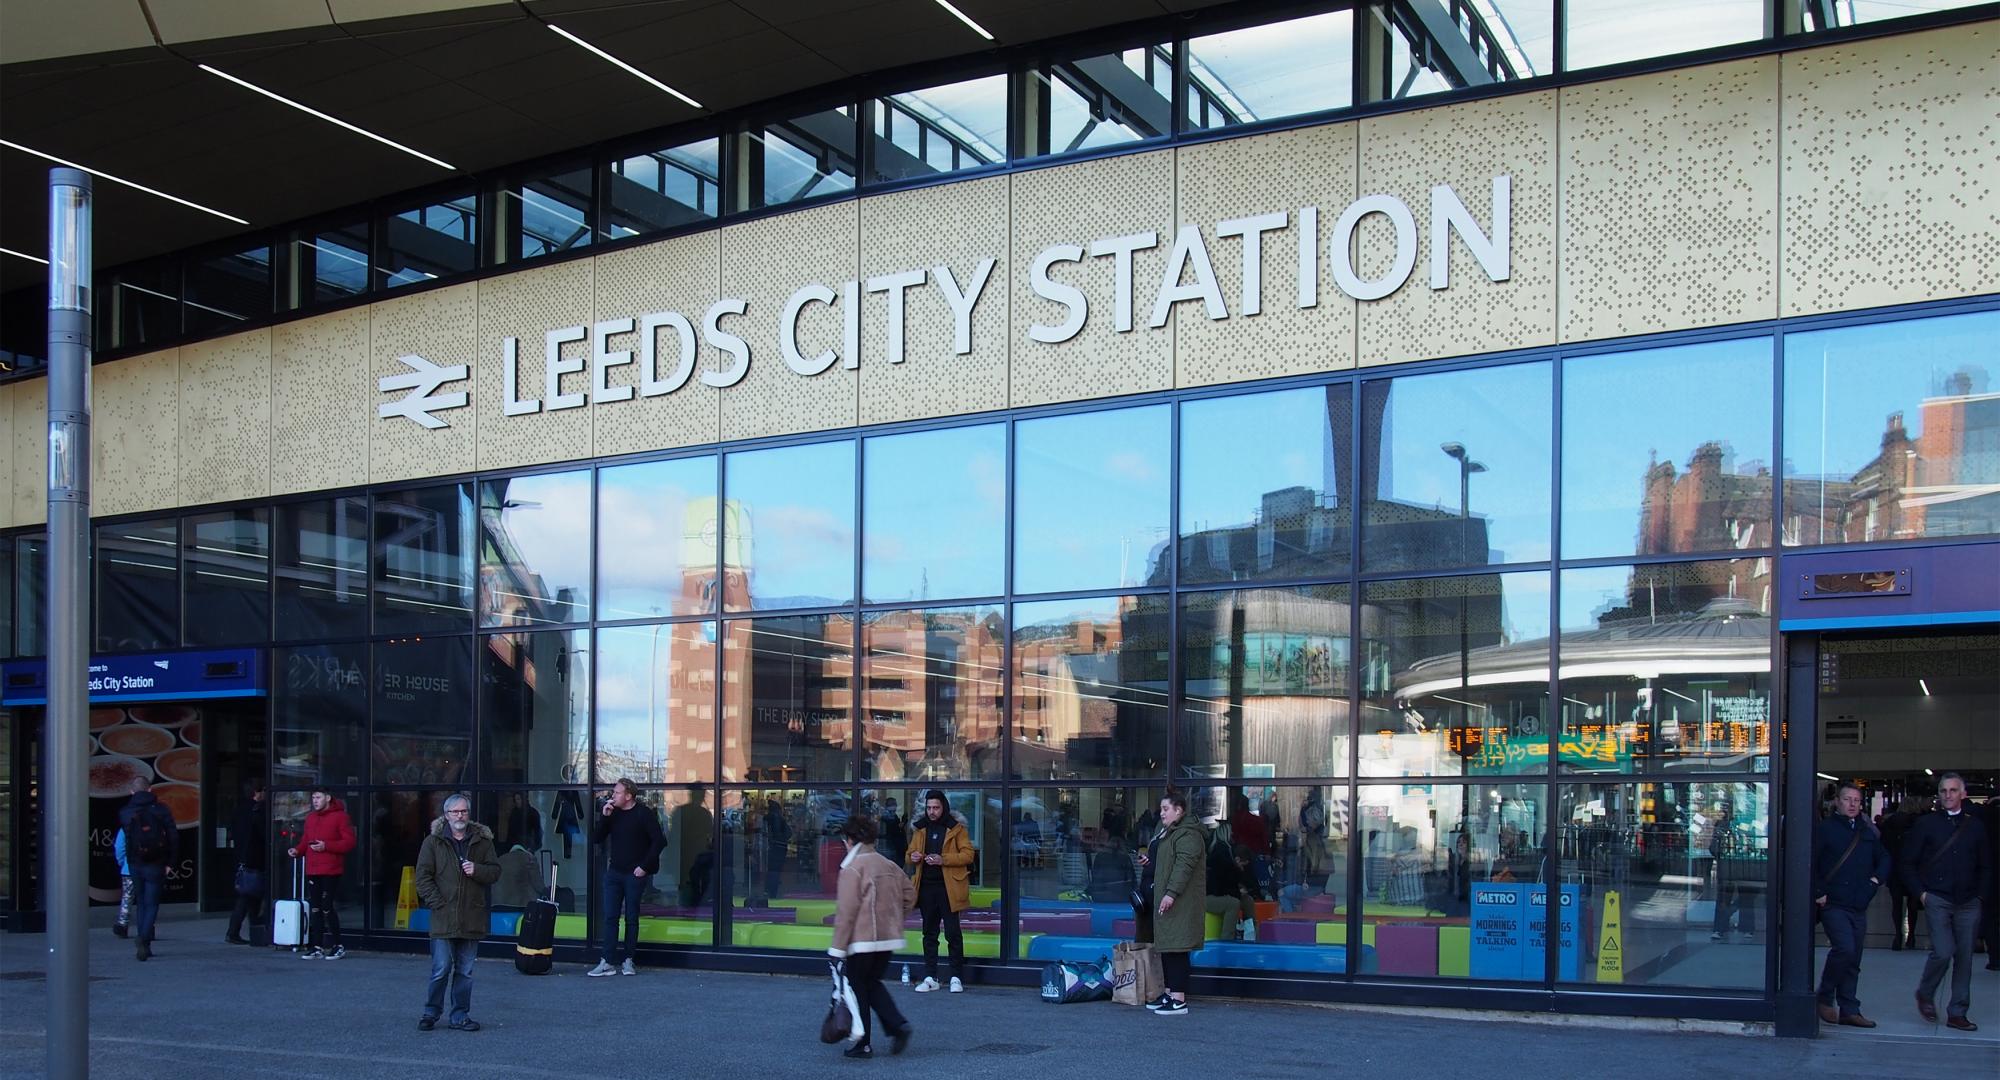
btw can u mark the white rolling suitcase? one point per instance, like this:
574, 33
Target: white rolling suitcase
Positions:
289, 918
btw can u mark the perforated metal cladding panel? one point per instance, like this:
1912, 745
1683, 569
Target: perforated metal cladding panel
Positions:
1465, 146
1076, 204
30, 450
954, 225
1669, 190
135, 434
762, 263
439, 326
225, 434
526, 306
8, 479
321, 399
1892, 149
1241, 178
682, 275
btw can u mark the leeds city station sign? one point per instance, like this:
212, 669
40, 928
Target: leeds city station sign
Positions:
649, 340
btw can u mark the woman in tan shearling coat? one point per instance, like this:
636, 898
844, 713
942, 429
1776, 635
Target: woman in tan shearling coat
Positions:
868, 928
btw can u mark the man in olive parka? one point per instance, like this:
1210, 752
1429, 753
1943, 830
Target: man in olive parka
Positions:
455, 868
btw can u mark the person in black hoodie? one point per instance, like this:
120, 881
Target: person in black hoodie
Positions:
1849, 863
629, 832
1944, 864
252, 838
1904, 911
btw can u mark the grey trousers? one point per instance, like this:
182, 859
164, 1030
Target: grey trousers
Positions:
1953, 925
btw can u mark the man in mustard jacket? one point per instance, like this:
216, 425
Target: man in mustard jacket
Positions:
942, 857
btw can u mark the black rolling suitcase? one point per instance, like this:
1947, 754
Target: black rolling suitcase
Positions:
534, 945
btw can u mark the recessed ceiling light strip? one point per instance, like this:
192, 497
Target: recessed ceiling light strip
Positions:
282, 99
966, 19
23, 255
657, 84
122, 180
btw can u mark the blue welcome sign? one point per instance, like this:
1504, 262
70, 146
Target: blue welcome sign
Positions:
182, 676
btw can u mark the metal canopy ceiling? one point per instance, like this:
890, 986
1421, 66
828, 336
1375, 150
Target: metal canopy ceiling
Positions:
113, 84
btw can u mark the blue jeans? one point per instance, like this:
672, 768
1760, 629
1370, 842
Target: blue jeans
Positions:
451, 962
1840, 980
621, 894
1953, 925
147, 884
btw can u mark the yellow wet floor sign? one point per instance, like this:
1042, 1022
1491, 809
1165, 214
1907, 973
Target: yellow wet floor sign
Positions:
1611, 943
406, 897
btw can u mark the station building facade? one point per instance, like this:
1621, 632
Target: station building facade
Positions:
1450, 496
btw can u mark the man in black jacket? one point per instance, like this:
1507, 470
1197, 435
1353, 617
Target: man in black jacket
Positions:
152, 843
1849, 863
1944, 864
252, 840
629, 832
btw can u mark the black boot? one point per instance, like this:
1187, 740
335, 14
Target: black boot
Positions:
145, 951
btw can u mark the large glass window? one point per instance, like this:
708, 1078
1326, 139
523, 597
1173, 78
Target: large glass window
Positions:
423, 711
1090, 688
1685, 870
31, 596
1270, 71
1452, 882
1667, 450
1266, 485
423, 559
322, 568
1456, 468
934, 514
1892, 431
656, 537
6, 598
145, 304
1480, 44
788, 700
350, 889
1612, 31
534, 718
1667, 668
939, 129
1265, 677
804, 157
1856, 12
932, 689
331, 263
1455, 676
1278, 858
1091, 495
534, 549
138, 586
1072, 859
654, 190
1095, 101
429, 241
319, 715
228, 290
550, 213
228, 556
533, 829
789, 532
783, 848
656, 703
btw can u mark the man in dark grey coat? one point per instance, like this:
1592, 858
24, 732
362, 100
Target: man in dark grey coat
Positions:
1944, 864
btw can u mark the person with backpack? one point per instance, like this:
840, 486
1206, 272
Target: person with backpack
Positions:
152, 840
122, 925
325, 838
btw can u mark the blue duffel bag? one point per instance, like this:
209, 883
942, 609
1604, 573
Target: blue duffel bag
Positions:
1066, 982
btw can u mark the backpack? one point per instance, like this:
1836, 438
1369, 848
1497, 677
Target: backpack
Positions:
146, 839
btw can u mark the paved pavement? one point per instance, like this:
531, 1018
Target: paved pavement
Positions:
208, 1010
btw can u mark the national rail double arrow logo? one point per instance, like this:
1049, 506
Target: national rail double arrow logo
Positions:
422, 380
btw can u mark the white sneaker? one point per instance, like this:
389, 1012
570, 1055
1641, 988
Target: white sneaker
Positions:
314, 953
339, 952
929, 984
626, 968
602, 969
956, 986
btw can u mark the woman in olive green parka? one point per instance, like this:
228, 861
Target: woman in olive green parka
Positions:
1180, 881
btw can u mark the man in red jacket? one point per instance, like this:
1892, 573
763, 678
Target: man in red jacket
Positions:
324, 841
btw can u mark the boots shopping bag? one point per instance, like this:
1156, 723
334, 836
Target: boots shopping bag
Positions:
1136, 977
